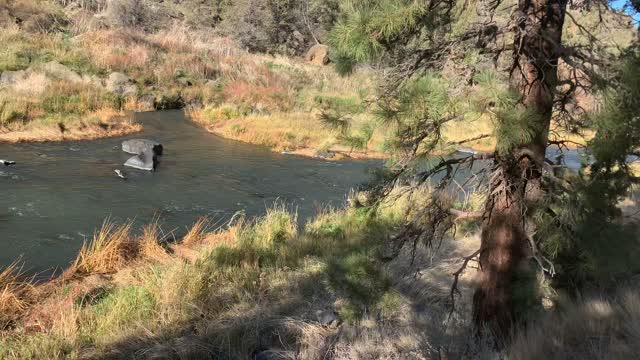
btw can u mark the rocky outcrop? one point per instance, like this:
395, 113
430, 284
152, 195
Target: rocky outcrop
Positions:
327, 318
45, 73
120, 84
9, 78
55, 70
318, 55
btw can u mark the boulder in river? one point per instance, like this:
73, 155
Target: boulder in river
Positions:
138, 146
144, 161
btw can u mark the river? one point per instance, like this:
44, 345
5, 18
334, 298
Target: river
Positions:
58, 194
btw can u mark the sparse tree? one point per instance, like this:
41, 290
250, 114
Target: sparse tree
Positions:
443, 57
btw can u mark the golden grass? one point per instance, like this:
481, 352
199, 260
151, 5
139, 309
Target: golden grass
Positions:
152, 243
468, 128
15, 291
100, 124
262, 284
597, 327
299, 133
110, 249
198, 232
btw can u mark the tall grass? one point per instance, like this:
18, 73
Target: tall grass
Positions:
605, 326
15, 291
265, 284
198, 232
110, 249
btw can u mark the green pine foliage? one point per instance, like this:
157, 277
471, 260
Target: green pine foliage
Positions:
580, 227
583, 232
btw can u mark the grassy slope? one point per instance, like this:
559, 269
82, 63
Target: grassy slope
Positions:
250, 287
272, 101
231, 287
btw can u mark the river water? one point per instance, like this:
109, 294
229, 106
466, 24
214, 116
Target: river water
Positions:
59, 193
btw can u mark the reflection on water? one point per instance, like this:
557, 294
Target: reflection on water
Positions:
60, 192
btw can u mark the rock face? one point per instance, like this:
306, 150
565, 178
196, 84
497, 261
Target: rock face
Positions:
55, 70
9, 78
318, 55
120, 84
145, 161
138, 146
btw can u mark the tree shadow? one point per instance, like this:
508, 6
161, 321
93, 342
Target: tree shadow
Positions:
283, 322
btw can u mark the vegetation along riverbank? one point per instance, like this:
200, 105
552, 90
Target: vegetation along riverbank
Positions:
498, 251
76, 72
268, 287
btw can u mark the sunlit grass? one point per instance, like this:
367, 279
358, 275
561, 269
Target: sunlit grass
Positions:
111, 248
15, 291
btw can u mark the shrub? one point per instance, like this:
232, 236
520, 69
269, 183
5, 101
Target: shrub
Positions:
69, 98
128, 13
282, 26
33, 15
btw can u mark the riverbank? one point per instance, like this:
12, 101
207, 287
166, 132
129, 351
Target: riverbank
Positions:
269, 287
288, 133
99, 125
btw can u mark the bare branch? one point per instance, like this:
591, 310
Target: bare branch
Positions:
456, 278
466, 215
479, 137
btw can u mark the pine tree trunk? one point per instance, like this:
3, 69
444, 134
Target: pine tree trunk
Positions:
516, 184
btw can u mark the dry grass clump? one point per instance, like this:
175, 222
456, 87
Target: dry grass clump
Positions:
600, 327
15, 291
117, 49
152, 244
114, 246
198, 232
100, 124
110, 249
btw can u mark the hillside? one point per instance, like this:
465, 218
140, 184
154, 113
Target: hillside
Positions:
75, 70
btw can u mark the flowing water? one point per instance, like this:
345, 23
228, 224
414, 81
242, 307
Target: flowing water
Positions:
59, 193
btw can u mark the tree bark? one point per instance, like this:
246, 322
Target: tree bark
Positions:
516, 187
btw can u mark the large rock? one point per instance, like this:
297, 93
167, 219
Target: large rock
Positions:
318, 55
120, 84
145, 161
9, 78
55, 70
138, 146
